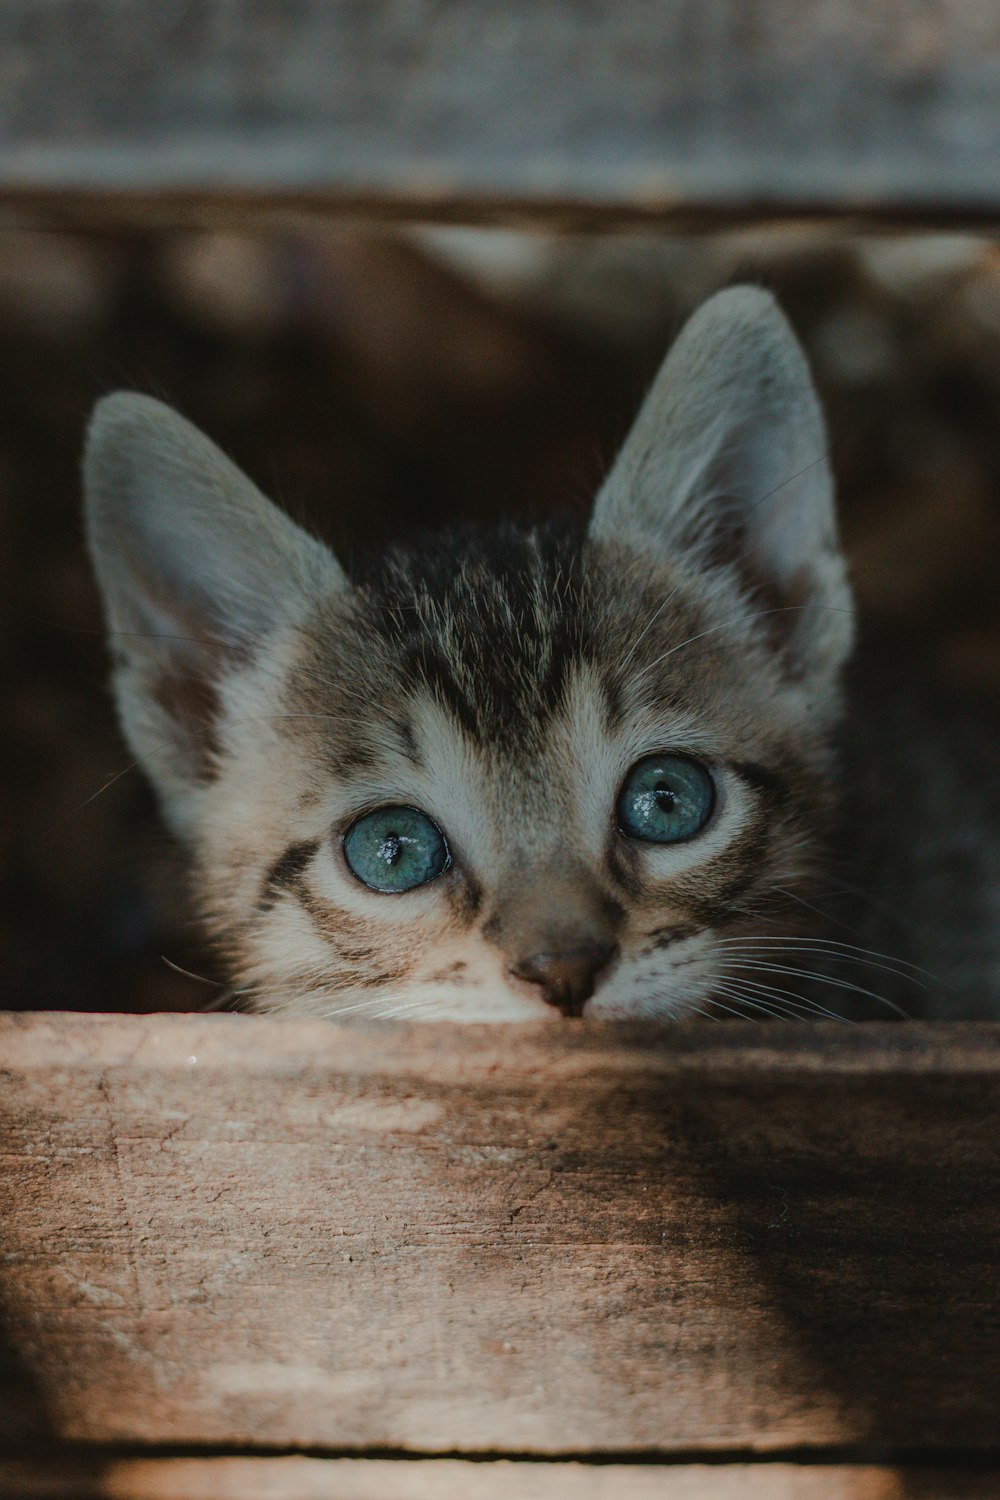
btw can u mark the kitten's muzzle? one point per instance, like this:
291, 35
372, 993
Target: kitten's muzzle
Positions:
567, 979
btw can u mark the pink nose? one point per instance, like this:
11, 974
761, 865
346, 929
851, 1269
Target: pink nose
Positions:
566, 980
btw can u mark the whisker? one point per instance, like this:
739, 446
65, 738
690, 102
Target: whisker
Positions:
734, 955
800, 1002
393, 1003
831, 948
696, 1010
646, 628
789, 1005
105, 788
169, 748
842, 984
816, 910
129, 635
759, 614
883, 909
188, 973
790, 480
782, 1013
918, 968
394, 1013
222, 1002
337, 1011
740, 1016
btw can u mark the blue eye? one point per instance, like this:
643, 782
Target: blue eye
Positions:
395, 849
665, 800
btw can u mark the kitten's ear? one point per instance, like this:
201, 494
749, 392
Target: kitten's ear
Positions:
196, 568
727, 463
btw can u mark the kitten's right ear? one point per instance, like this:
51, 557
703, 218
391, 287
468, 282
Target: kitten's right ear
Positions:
196, 568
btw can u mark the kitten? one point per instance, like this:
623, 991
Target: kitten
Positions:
526, 774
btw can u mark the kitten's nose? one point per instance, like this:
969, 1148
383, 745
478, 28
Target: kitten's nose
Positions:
566, 979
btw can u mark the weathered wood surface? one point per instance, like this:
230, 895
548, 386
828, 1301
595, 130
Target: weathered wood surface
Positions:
698, 108
542, 1240
453, 1479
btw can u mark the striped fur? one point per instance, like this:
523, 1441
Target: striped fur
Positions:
503, 683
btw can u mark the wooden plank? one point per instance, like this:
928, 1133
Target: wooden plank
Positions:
250, 1231
452, 1479
660, 108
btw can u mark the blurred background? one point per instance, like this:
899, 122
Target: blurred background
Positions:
376, 382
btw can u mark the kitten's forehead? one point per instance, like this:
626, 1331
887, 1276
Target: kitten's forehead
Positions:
503, 693
522, 652
494, 637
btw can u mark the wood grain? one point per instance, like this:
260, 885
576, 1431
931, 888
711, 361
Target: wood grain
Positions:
257, 1232
453, 1479
478, 108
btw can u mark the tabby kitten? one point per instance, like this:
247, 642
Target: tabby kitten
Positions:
527, 774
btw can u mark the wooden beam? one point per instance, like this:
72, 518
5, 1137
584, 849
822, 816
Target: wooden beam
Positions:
451, 1479
677, 110
548, 1240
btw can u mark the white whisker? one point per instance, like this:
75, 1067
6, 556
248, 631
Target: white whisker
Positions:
753, 1002
759, 614
830, 948
841, 984
740, 1015
347, 1010
800, 1002
394, 1013
646, 628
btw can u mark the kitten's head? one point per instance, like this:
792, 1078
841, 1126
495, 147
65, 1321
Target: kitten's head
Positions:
501, 776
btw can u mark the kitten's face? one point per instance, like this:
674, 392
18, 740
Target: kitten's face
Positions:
517, 778
506, 701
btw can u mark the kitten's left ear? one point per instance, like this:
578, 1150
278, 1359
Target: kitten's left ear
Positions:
727, 463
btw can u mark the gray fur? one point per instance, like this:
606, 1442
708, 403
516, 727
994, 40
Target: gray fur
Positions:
196, 568
504, 684
731, 439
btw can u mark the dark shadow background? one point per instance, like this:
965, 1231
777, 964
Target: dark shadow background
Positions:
375, 383
893, 1319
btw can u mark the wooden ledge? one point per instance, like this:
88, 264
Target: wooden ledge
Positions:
446, 1052
250, 1232
451, 1479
